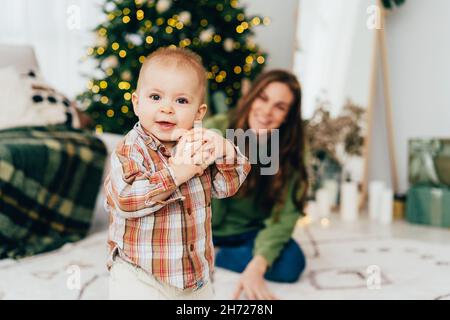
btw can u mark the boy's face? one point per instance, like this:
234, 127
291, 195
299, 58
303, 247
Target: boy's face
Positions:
168, 99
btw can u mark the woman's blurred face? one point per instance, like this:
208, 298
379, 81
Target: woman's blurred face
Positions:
270, 107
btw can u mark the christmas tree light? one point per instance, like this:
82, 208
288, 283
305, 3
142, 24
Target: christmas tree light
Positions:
218, 30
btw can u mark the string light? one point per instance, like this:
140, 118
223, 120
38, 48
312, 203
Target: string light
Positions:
115, 46
219, 7
179, 25
169, 29
123, 85
126, 11
90, 51
239, 29
148, 24
203, 22
110, 113
249, 60
95, 89
103, 84
159, 21
141, 59
217, 38
240, 17
109, 71
237, 69
122, 53
149, 39
234, 4
102, 32
266, 21
89, 84
111, 16
100, 50
171, 22
126, 19
244, 25
260, 59
256, 21
139, 15
104, 100
124, 109
184, 43
247, 68
98, 128
127, 96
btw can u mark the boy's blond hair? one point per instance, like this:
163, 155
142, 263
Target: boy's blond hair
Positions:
183, 57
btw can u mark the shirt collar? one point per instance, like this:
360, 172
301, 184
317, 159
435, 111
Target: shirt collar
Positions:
150, 140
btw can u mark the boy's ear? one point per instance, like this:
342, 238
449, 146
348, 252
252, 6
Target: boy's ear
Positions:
135, 101
201, 112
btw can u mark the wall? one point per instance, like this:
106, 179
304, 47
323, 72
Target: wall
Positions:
278, 38
418, 39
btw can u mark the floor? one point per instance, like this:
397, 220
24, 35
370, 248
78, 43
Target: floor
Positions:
359, 260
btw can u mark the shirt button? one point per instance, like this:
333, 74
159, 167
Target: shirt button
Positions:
191, 247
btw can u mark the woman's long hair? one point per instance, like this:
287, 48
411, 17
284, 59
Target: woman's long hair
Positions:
271, 189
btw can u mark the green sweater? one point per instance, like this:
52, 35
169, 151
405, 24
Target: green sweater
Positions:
236, 215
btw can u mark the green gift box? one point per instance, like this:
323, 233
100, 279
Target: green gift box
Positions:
429, 161
428, 205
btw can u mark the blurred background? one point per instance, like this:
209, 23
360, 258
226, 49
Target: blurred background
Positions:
375, 80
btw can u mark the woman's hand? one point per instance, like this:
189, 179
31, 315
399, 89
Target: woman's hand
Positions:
252, 281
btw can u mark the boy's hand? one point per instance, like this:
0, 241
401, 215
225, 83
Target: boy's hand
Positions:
184, 162
218, 146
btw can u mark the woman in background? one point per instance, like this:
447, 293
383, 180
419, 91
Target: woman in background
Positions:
253, 229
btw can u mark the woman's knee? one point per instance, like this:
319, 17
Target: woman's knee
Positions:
289, 266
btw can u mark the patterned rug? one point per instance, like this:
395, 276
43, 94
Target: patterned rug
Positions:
344, 261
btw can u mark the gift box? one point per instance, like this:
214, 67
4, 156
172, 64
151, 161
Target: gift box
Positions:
429, 161
428, 205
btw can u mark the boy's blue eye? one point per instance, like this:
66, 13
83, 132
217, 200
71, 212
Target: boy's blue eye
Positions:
182, 101
155, 97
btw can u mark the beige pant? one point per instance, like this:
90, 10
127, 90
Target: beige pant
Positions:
127, 282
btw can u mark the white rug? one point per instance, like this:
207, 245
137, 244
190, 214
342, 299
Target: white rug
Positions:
338, 267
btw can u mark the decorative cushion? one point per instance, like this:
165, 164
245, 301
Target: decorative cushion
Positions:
30, 101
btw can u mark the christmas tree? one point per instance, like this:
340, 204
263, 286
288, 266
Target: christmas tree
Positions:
218, 30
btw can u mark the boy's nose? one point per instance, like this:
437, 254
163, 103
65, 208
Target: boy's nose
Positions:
167, 108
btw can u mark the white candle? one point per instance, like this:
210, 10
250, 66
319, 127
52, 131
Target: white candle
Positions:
386, 212
349, 201
312, 211
332, 187
323, 202
375, 192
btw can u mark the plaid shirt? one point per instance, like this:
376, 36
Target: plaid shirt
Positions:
171, 239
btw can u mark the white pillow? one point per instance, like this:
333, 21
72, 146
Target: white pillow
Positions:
28, 100
13, 98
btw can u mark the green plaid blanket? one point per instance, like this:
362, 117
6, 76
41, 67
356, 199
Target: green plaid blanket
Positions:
49, 181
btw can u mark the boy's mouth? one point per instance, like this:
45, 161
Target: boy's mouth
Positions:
165, 125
